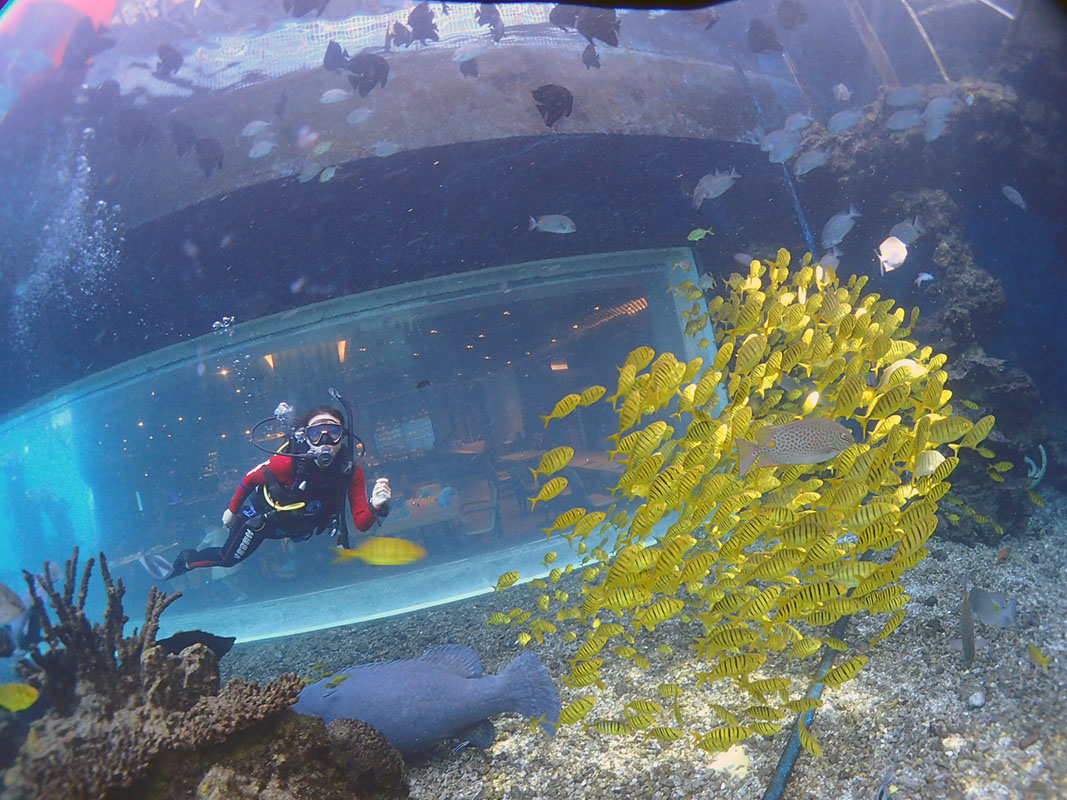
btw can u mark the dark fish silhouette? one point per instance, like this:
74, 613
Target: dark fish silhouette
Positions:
209, 154
442, 694
599, 23
219, 645
85, 43
590, 58
336, 58
791, 14
134, 128
184, 140
469, 68
423, 383
368, 70
564, 16
400, 34
280, 104
420, 20
170, 61
762, 38
554, 102
299, 8
488, 14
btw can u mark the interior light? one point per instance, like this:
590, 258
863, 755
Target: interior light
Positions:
224, 371
269, 358
341, 346
557, 366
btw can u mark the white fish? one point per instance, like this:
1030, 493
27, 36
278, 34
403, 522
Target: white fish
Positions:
841, 93
922, 278
310, 172
334, 96
934, 127
322, 148
11, 605
831, 258
357, 116
553, 223
809, 160
797, 122
783, 151
255, 128
1013, 195
713, 185
904, 96
904, 119
835, 231
773, 138
261, 148
908, 230
843, 120
469, 52
383, 149
891, 254
327, 174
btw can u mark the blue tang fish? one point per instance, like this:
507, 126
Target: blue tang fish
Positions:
442, 694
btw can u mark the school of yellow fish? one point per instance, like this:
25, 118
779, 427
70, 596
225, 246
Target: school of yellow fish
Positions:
756, 562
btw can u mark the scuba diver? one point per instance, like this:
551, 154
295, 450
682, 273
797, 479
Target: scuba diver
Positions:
297, 493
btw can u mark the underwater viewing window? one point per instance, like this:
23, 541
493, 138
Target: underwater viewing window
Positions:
448, 379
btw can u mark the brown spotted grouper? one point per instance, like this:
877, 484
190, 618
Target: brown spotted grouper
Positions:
442, 694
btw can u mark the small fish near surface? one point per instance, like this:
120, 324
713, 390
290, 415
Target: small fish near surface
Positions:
598, 23
713, 185
838, 227
1014, 196
336, 58
564, 16
368, 70
421, 23
553, 102
442, 694
891, 254
209, 155
488, 14
553, 223
805, 441
219, 645
762, 38
921, 278
170, 61
382, 551
791, 14
590, 57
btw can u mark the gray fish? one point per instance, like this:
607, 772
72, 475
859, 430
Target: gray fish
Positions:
940, 107
11, 605
934, 127
908, 230
838, 226
994, 608
784, 150
442, 694
810, 160
904, 96
843, 120
904, 119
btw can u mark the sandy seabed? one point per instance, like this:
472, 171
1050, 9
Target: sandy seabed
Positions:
996, 731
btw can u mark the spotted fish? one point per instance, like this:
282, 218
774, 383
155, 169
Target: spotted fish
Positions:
806, 441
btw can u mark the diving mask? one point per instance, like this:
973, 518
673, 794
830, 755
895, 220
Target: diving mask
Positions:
324, 433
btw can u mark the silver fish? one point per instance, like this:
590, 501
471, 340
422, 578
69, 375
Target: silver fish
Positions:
843, 120
357, 115
774, 137
797, 122
442, 694
841, 93
255, 128
334, 96
1013, 195
922, 278
940, 107
553, 223
783, 151
11, 605
835, 231
934, 128
809, 160
994, 608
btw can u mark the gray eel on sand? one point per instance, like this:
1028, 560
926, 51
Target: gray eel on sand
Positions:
442, 694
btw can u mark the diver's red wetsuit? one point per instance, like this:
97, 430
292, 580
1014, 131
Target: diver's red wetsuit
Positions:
320, 503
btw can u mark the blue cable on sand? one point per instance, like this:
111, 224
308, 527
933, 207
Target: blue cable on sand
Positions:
803, 220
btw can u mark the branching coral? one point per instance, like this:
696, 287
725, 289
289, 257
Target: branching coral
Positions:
118, 702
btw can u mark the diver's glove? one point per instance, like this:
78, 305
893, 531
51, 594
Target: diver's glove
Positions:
379, 497
229, 518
